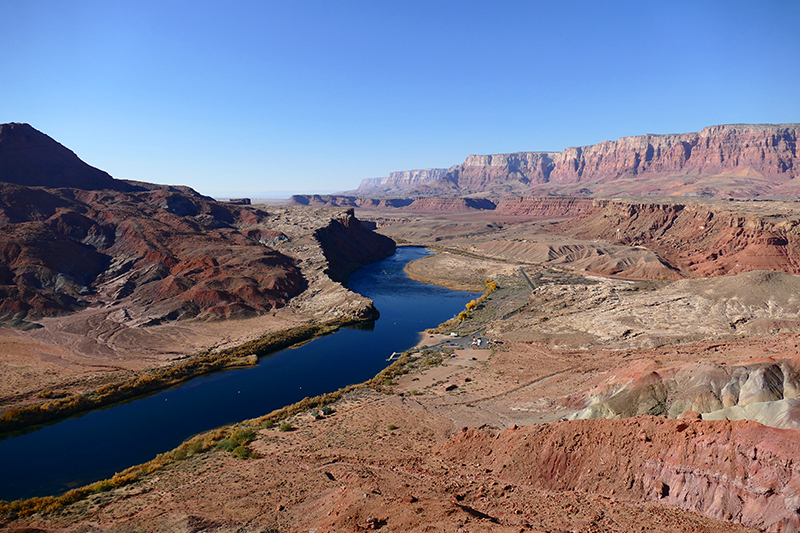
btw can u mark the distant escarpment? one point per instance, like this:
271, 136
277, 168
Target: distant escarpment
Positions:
738, 160
546, 207
338, 200
451, 205
400, 181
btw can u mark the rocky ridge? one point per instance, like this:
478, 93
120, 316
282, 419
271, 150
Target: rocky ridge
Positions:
114, 278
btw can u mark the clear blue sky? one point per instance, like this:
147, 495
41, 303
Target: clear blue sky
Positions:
246, 97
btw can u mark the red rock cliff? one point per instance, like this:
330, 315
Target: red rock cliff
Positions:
702, 240
743, 160
735, 471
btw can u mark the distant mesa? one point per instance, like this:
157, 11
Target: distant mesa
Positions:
735, 160
239, 201
400, 181
455, 205
335, 200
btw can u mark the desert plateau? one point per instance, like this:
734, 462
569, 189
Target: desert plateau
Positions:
632, 362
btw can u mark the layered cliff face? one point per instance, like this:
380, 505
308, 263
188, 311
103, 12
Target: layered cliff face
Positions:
546, 207
176, 256
738, 160
73, 237
501, 173
400, 181
758, 159
340, 200
449, 205
733, 471
703, 240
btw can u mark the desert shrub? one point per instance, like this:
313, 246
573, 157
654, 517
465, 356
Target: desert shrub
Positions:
103, 486
391, 427
268, 424
241, 452
243, 436
286, 426
227, 445
180, 455
196, 446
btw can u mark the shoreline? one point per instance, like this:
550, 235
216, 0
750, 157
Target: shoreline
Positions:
209, 440
161, 378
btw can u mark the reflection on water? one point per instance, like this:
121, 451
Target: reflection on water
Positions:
94, 446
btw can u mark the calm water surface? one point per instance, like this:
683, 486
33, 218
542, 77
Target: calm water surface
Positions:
94, 446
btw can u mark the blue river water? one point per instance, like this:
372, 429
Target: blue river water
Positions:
93, 446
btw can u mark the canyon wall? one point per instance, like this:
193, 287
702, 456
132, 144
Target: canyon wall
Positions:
349, 245
701, 239
402, 180
736, 160
546, 207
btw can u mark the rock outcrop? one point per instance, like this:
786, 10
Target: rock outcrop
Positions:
338, 200
450, 205
71, 237
764, 390
546, 207
175, 256
700, 239
733, 471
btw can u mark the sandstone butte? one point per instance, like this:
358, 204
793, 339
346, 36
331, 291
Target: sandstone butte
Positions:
617, 401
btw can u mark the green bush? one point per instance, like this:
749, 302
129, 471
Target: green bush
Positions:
243, 436
241, 452
196, 447
268, 424
286, 426
227, 445
391, 427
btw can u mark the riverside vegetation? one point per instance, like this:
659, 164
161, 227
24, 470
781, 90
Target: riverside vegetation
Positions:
164, 377
233, 439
